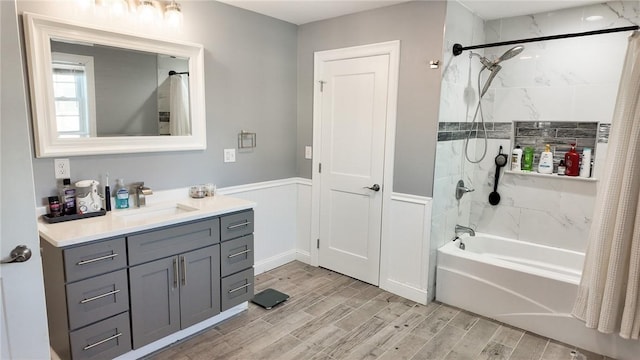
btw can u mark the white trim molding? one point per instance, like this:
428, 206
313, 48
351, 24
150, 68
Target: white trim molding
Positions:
404, 259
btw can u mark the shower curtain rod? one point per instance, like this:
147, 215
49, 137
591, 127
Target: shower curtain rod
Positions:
458, 49
172, 72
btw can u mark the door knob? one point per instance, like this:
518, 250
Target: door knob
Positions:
374, 187
20, 254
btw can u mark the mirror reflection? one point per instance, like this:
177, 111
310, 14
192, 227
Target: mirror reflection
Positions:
104, 91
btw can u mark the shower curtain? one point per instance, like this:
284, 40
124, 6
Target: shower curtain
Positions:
609, 291
179, 123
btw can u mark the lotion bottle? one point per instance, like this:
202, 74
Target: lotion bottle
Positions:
545, 165
516, 159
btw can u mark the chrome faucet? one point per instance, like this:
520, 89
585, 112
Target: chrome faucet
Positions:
465, 229
141, 193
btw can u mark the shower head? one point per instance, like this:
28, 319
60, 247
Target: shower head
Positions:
494, 71
510, 53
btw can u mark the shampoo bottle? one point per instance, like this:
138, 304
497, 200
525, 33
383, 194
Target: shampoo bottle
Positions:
572, 162
122, 195
516, 159
545, 165
585, 165
527, 159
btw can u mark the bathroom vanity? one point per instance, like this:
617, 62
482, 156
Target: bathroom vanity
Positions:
119, 282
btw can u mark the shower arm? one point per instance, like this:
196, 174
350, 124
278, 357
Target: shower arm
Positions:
458, 48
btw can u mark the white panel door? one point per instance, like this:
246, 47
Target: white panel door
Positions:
23, 320
353, 118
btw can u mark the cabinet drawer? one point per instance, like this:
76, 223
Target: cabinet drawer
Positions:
157, 244
236, 255
236, 289
97, 298
98, 258
104, 340
236, 225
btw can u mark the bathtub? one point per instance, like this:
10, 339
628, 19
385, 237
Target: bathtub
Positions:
523, 284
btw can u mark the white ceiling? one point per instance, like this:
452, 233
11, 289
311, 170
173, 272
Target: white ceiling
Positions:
305, 11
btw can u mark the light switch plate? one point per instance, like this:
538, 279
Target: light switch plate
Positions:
229, 155
308, 152
62, 168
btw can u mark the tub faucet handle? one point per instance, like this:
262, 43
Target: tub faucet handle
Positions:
461, 189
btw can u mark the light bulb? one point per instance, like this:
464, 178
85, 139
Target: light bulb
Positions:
173, 15
119, 8
148, 13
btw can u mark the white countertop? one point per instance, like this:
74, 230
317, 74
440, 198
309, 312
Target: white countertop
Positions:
117, 222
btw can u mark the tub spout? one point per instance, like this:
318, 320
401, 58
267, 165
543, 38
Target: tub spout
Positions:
465, 229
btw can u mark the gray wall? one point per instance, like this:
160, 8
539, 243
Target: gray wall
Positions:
250, 77
126, 84
419, 26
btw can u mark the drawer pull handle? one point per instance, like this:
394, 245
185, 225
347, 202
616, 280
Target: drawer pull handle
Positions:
231, 227
102, 341
184, 270
175, 272
240, 253
84, 301
84, 262
239, 288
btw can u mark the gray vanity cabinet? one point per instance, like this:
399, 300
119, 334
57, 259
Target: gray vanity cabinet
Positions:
180, 288
109, 296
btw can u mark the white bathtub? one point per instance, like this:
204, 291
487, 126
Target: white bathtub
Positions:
525, 285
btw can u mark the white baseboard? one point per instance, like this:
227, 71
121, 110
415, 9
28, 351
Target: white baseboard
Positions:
406, 291
274, 261
303, 256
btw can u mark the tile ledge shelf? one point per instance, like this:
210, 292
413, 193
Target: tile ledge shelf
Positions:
550, 176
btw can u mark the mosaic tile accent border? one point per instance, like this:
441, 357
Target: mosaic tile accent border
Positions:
449, 131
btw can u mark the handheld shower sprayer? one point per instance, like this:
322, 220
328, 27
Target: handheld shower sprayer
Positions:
493, 68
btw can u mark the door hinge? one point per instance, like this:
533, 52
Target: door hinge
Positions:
322, 85
319, 167
317, 243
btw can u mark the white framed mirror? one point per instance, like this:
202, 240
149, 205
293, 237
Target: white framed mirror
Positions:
97, 91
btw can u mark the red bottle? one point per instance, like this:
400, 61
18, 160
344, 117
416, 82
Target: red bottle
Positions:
572, 162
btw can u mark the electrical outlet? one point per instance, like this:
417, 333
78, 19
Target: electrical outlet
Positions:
62, 168
307, 152
229, 155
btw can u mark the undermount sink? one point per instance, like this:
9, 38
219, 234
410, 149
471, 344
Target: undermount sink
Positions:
154, 211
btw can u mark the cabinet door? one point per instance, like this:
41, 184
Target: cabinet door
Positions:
155, 300
199, 285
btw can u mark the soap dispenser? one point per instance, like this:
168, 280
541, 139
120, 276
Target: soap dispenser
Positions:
122, 195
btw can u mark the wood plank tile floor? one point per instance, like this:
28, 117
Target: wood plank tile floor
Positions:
330, 316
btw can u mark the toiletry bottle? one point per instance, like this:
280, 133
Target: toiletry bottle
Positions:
561, 168
585, 165
107, 195
55, 209
516, 159
572, 162
122, 195
527, 159
545, 165
68, 197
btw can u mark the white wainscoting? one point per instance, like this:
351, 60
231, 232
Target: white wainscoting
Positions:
404, 259
283, 233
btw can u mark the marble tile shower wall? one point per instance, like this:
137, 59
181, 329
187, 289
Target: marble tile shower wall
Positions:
455, 108
553, 81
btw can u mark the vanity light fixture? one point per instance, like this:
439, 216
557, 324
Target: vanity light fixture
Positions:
173, 15
147, 12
